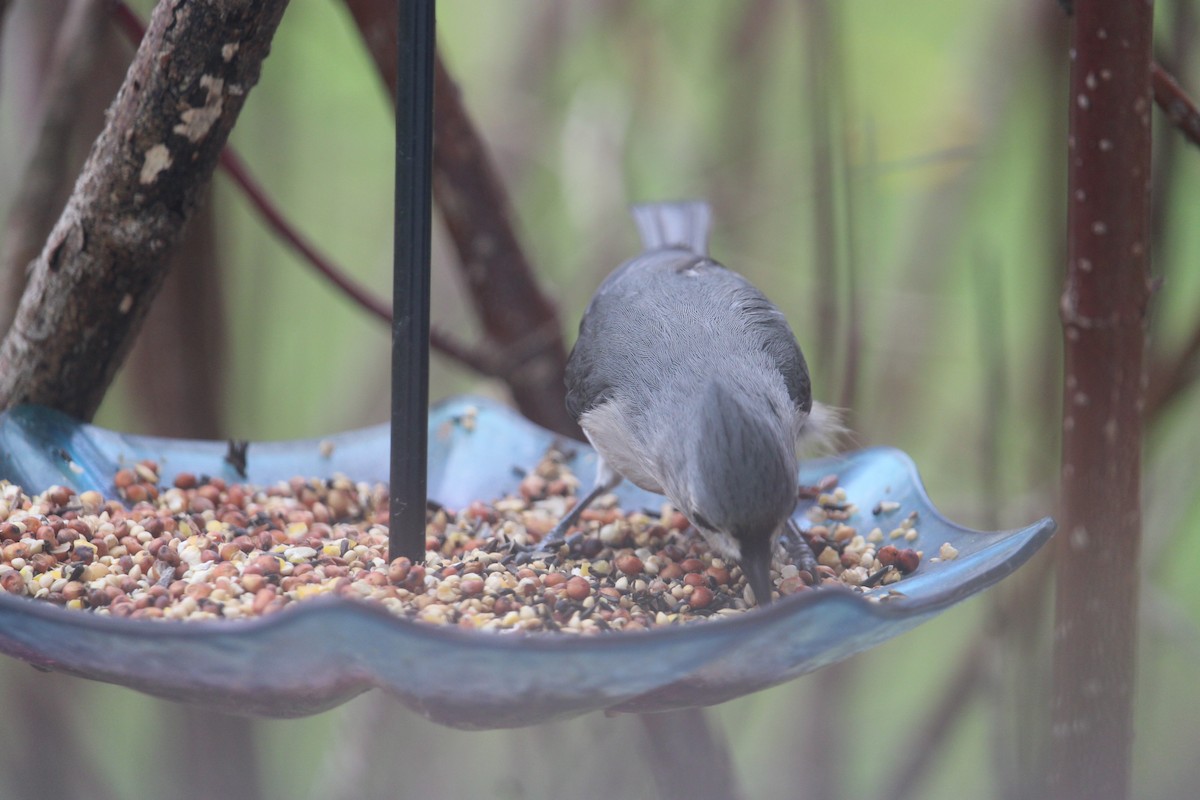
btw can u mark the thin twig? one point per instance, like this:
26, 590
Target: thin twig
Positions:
1175, 103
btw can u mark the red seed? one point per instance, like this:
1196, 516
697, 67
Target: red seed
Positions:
700, 597
199, 505
718, 574
398, 570
198, 590
236, 496
630, 564
416, 577
12, 582
578, 588
481, 511
908, 561
15, 550
670, 572
263, 565
503, 605
124, 609
604, 516
789, 586
261, 598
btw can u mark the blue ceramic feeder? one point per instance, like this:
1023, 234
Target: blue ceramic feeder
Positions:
318, 653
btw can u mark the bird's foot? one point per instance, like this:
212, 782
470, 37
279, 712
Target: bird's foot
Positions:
550, 548
800, 552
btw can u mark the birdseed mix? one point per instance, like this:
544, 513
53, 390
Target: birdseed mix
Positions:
207, 549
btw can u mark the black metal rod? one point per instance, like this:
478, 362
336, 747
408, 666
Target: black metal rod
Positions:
410, 298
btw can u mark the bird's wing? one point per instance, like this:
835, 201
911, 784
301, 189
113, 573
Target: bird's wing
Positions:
621, 328
767, 325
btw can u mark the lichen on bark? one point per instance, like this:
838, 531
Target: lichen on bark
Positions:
106, 257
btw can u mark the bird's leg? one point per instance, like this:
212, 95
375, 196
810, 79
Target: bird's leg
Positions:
799, 550
606, 481
558, 534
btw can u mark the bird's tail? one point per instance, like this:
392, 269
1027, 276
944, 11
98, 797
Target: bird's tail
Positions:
823, 430
678, 224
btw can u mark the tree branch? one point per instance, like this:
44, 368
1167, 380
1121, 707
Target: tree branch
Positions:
1103, 309
481, 359
517, 317
106, 257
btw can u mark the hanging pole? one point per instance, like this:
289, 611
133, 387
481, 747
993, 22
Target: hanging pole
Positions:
410, 298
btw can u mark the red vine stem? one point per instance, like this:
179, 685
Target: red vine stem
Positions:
1103, 310
1173, 100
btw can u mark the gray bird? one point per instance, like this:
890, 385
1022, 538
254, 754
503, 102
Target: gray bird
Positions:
688, 381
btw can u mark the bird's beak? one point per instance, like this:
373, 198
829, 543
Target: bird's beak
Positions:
756, 563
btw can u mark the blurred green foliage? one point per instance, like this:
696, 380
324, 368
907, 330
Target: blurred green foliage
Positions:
948, 125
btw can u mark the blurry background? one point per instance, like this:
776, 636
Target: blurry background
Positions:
891, 175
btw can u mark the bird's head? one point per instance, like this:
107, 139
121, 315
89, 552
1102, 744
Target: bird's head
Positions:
737, 480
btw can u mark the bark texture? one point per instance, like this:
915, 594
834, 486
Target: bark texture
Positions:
92, 284
1103, 310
